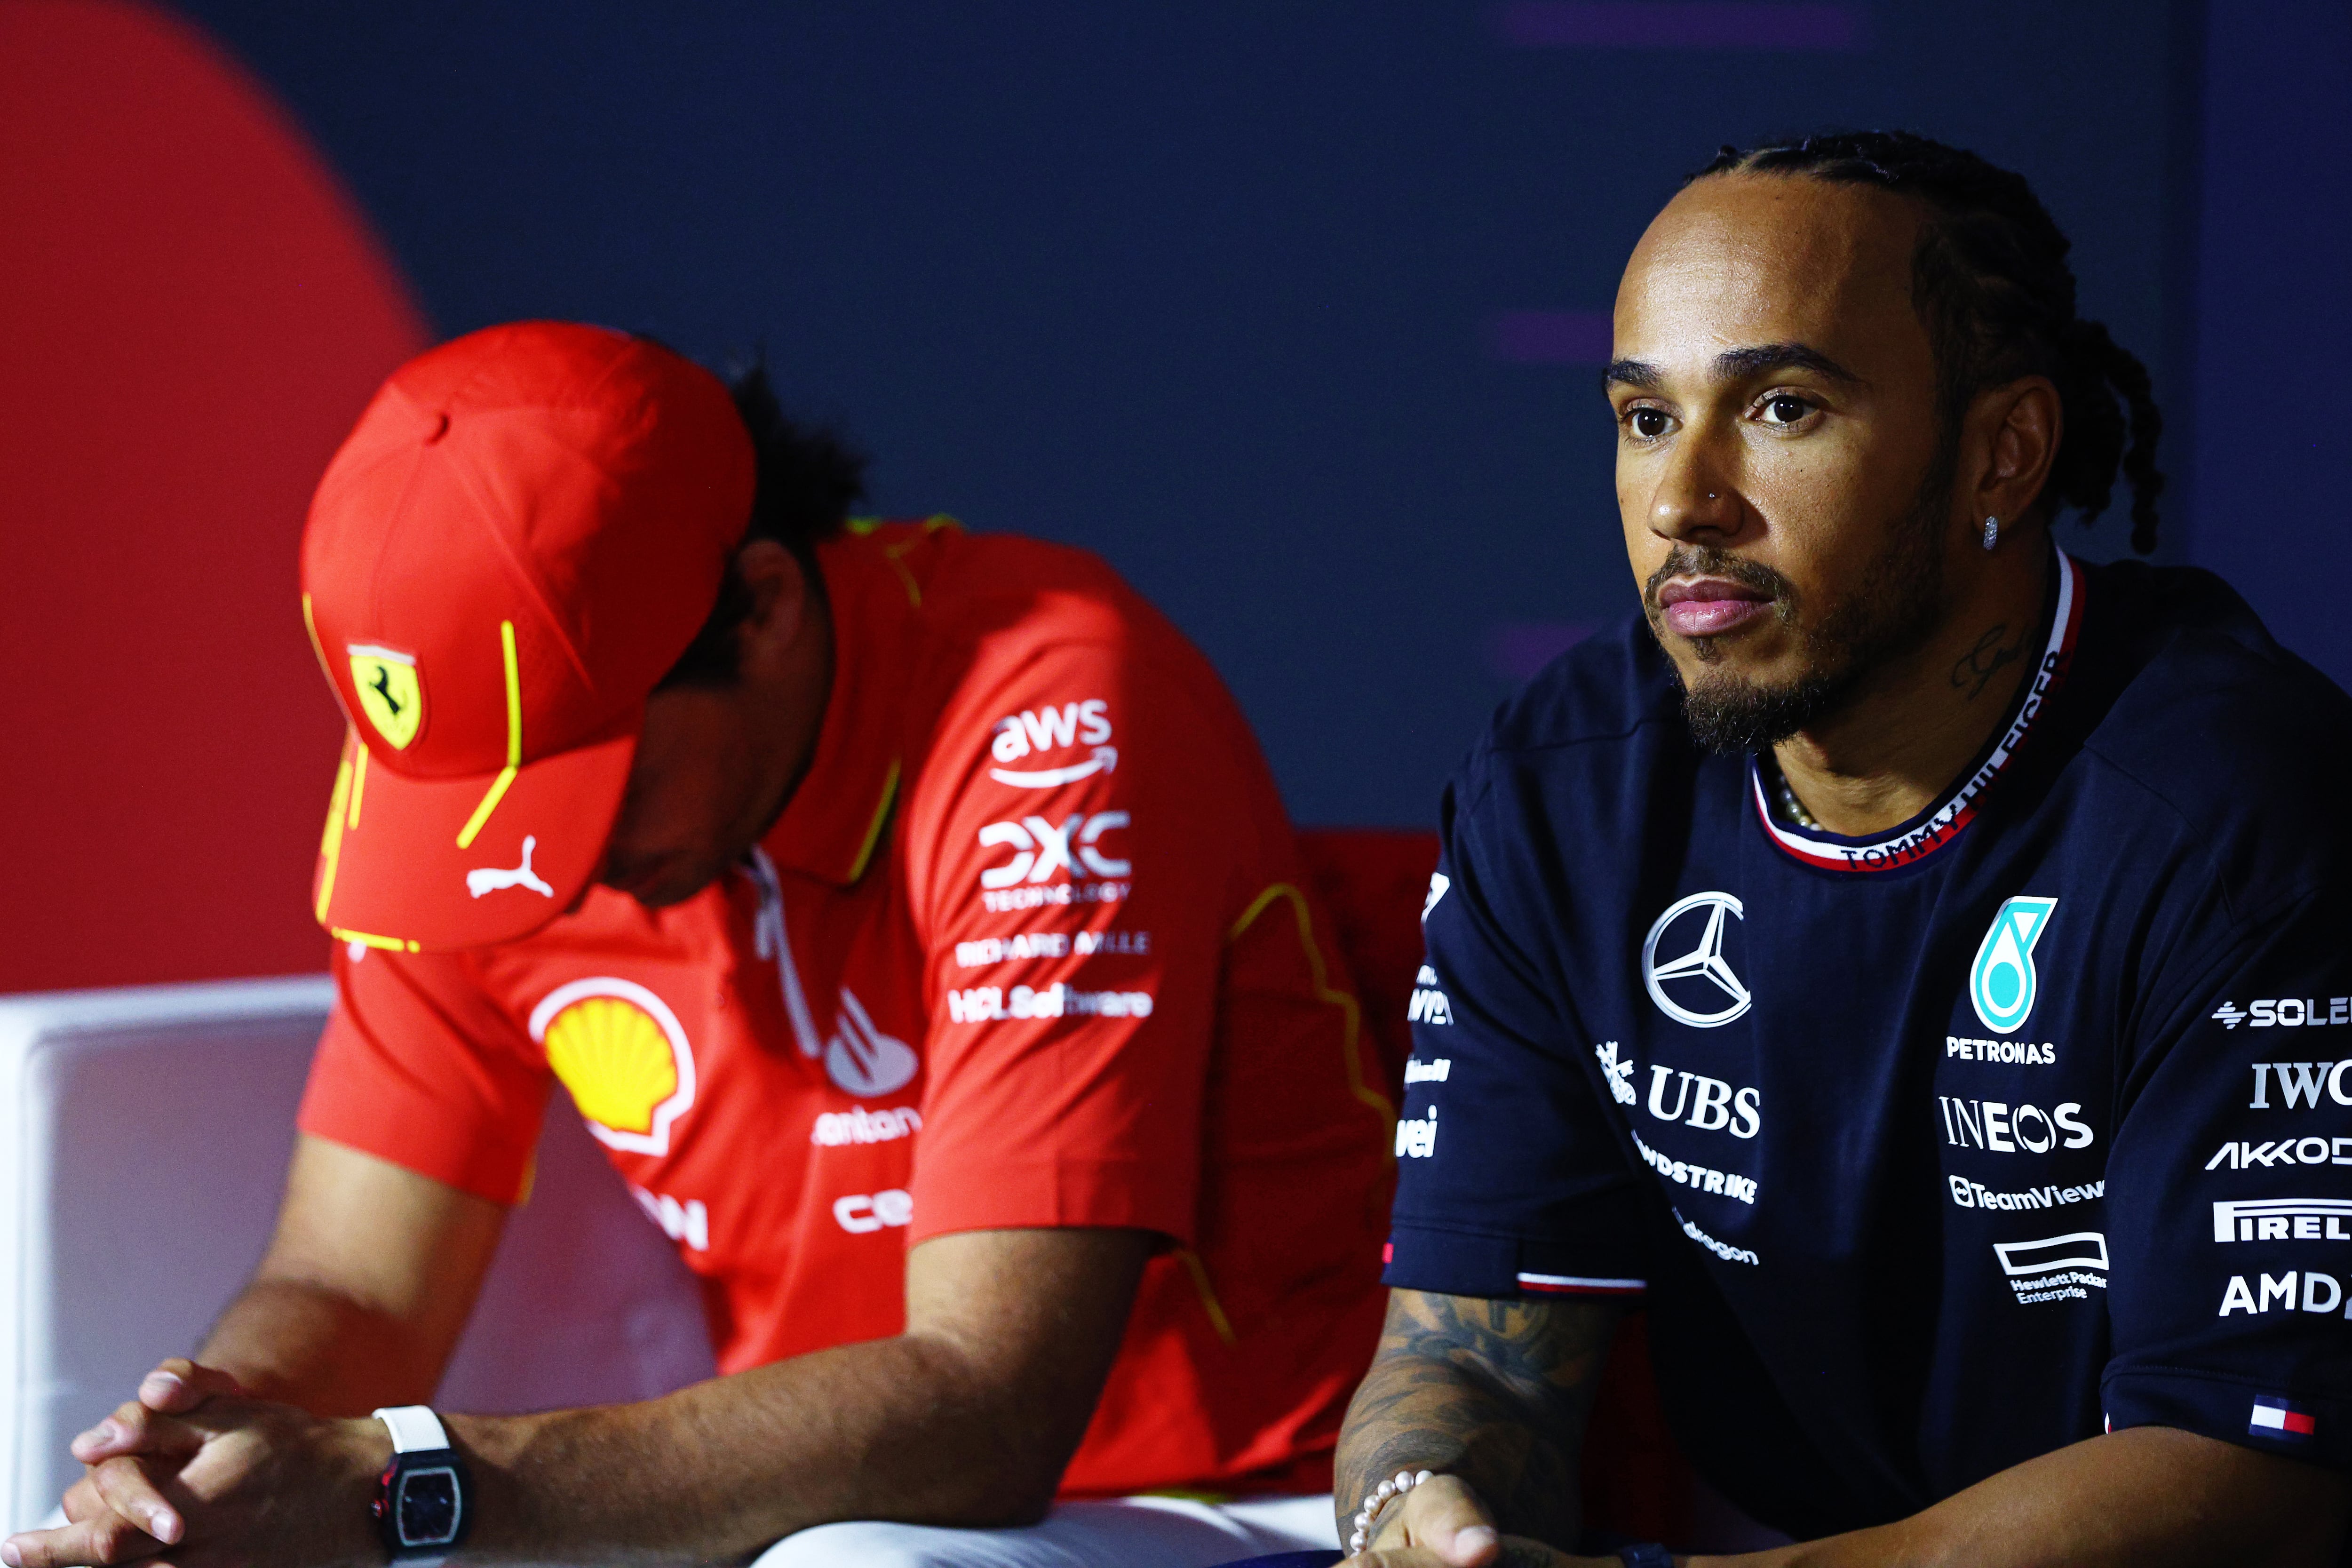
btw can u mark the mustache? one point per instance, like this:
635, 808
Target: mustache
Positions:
1712, 560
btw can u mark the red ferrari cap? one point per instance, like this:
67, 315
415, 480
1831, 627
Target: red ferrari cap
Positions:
522, 535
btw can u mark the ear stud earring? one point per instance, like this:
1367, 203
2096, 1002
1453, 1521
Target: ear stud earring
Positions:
1992, 533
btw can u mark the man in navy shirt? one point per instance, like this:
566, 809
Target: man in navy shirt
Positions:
1908, 962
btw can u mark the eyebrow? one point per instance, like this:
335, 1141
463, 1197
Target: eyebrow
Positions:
1734, 364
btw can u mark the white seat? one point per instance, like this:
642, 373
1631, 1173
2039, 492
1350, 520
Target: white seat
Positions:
143, 1138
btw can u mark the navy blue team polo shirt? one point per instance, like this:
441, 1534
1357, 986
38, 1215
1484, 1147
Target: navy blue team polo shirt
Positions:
1932, 1152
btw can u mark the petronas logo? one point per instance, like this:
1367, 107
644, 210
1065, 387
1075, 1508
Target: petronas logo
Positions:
2002, 982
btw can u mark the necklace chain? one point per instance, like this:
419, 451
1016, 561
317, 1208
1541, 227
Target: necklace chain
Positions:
1789, 802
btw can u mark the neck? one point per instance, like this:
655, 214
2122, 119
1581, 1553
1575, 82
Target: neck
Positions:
792, 710
1904, 737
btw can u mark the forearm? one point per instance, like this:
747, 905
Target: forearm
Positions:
2148, 1498
901, 1428
311, 1346
1495, 1393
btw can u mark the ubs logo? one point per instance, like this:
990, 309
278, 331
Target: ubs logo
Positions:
1697, 987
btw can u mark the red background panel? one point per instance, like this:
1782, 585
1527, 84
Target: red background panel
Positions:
195, 314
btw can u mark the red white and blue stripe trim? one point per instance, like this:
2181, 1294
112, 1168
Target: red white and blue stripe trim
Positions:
1581, 1285
1925, 835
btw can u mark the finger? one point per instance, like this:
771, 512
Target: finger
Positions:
178, 1385
82, 1501
1444, 1514
93, 1543
135, 1429
130, 1491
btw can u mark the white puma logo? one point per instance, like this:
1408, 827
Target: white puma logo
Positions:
490, 879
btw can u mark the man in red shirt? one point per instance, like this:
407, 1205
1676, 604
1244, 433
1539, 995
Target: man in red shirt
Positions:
912, 917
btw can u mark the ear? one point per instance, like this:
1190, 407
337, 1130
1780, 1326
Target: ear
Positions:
2012, 439
782, 600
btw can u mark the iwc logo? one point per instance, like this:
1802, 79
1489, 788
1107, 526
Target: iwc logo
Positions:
1698, 988
2001, 983
622, 1053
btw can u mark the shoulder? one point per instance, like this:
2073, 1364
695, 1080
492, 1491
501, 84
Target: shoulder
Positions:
2244, 744
1002, 589
1608, 702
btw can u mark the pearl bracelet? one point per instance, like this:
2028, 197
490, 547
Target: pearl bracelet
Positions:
1404, 1482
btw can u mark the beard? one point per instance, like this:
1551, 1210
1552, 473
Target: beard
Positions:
1893, 609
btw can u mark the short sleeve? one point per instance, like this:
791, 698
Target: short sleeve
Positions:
1074, 851
2230, 1196
418, 1065
1510, 1181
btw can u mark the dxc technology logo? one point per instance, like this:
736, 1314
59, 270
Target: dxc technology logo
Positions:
2001, 983
1710, 994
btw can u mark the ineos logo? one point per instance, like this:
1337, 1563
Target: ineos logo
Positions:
1702, 974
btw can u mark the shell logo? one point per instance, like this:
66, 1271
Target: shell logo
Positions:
622, 1053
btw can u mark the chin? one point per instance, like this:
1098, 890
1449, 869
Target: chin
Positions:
1731, 714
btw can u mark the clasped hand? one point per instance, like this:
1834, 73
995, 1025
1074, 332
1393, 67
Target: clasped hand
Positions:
195, 1468
1441, 1523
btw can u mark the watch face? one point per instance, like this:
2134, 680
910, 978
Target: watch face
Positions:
426, 1507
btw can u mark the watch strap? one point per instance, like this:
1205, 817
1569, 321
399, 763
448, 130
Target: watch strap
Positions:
414, 1428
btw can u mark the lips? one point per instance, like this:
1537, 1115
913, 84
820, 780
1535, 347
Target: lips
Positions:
1710, 606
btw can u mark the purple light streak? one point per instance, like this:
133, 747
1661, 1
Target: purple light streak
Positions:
1516, 649
1550, 337
1683, 25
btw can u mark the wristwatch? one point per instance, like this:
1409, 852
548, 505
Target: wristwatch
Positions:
425, 1501
1645, 1554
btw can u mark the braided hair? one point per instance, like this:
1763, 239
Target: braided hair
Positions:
1991, 280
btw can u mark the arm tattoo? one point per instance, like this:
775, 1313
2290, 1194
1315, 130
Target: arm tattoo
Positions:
1974, 670
1494, 1392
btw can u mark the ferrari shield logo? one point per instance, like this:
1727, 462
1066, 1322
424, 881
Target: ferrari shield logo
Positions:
389, 696
2002, 982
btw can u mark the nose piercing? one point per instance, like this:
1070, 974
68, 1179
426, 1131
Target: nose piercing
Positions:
1992, 533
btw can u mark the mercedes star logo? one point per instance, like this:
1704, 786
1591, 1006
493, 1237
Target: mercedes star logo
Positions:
1703, 970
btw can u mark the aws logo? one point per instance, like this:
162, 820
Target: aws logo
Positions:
1051, 728
623, 1055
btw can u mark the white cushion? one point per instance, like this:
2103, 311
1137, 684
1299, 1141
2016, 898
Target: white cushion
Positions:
143, 1138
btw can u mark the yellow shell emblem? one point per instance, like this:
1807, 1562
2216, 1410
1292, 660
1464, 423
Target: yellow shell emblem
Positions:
622, 1053
389, 695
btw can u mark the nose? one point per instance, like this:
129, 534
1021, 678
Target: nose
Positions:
1695, 499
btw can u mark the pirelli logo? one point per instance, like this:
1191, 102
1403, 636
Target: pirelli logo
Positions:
2283, 1219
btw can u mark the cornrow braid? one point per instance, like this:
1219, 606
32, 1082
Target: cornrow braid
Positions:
1991, 280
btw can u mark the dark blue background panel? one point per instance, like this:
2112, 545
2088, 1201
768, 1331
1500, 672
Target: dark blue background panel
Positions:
1226, 291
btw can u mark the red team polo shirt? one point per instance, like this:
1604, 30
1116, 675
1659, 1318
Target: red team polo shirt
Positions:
1031, 946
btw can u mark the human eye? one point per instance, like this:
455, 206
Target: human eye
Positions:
1785, 410
1644, 422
